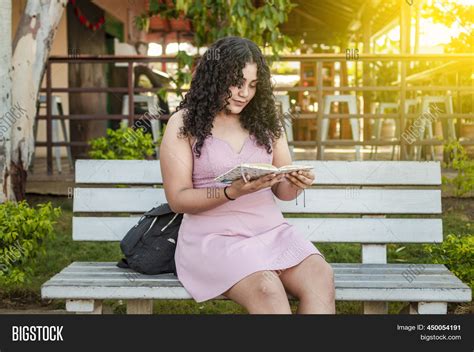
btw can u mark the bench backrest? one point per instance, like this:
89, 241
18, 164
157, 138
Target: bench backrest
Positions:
351, 199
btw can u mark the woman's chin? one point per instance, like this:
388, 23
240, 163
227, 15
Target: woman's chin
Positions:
236, 109
231, 109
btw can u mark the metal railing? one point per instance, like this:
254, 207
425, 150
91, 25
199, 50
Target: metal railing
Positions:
319, 88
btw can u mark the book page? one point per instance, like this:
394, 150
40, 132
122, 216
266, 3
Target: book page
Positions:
256, 170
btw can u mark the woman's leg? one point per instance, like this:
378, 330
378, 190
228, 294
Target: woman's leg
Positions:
312, 282
260, 293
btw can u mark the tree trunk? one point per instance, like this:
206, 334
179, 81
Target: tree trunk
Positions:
31, 47
6, 117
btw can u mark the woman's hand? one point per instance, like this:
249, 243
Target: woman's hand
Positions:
240, 187
301, 179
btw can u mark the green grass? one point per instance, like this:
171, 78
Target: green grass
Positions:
62, 250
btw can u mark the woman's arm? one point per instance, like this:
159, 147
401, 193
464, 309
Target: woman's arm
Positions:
284, 190
176, 161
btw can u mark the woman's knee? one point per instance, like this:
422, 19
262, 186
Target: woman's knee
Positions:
269, 286
326, 270
262, 285
262, 291
269, 295
324, 276
319, 277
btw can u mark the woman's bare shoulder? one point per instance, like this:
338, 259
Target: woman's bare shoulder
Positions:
176, 118
176, 122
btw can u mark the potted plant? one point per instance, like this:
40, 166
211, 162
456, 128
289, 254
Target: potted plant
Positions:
159, 23
180, 24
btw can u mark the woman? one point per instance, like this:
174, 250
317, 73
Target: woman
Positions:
234, 240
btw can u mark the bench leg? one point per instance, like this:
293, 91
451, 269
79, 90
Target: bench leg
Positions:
429, 308
84, 306
375, 307
140, 306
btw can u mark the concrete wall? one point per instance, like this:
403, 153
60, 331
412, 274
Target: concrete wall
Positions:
125, 11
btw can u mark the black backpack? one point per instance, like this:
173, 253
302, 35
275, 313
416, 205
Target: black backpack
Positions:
150, 245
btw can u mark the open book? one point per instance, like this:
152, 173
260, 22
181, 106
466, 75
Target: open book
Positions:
255, 170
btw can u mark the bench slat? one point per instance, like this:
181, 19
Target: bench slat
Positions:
420, 284
411, 294
345, 272
354, 280
100, 266
366, 230
325, 201
327, 172
427, 286
118, 272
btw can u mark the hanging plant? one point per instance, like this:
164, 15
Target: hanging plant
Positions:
84, 21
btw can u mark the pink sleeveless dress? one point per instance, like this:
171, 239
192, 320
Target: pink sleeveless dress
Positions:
219, 247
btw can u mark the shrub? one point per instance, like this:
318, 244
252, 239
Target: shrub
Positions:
459, 161
123, 143
22, 232
457, 252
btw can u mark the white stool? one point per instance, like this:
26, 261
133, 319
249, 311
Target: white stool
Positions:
56, 109
283, 101
153, 109
382, 107
351, 100
448, 125
415, 104
411, 103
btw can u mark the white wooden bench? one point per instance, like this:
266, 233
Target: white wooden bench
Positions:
368, 190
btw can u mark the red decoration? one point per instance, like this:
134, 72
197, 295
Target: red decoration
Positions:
84, 21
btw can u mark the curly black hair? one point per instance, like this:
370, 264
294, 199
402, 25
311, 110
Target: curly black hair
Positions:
218, 69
